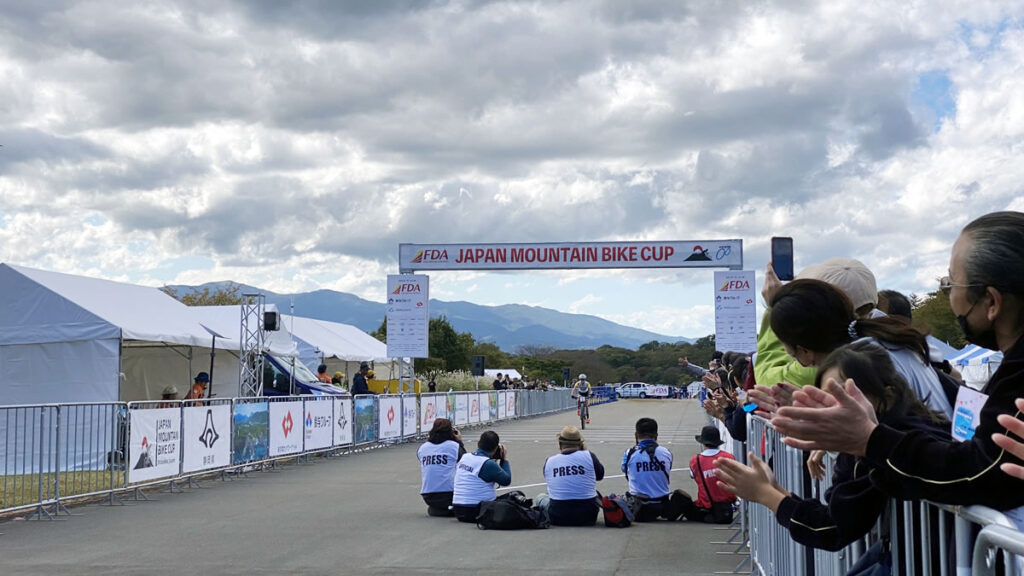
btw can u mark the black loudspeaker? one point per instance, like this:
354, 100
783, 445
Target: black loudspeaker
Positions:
478, 366
565, 374
271, 321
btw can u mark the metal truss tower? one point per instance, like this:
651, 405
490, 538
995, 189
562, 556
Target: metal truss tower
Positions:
250, 357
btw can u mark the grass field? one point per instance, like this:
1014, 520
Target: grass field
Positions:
23, 490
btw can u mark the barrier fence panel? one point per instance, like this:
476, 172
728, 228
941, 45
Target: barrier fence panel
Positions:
389, 417
250, 430
343, 419
318, 425
365, 419
28, 456
997, 543
154, 441
90, 449
205, 435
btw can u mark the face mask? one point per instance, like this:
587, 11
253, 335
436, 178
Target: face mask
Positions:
985, 338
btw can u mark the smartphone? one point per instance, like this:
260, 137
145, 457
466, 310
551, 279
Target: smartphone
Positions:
782, 257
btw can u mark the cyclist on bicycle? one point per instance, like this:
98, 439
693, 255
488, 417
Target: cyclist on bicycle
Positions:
581, 391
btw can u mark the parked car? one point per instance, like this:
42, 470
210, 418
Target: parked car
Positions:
277, 379
642, 390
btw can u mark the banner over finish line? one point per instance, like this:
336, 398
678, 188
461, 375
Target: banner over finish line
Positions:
567, 255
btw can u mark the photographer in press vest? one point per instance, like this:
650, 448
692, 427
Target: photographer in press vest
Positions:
572, 476
438, 457
647, 466
476, 475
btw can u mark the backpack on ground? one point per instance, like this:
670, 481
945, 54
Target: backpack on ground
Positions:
617, 513
511, 511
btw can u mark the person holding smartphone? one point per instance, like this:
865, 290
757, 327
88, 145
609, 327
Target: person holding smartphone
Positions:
438, 457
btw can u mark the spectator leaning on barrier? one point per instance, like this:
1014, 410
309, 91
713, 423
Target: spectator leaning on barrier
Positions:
169, 396
571, 476
856, 498
438, 457
986, 292
476, 475
647, 466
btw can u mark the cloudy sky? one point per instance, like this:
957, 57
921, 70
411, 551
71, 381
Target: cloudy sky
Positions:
294, 145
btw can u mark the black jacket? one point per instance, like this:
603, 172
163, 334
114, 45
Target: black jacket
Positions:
919, 466
359, 385
855, 500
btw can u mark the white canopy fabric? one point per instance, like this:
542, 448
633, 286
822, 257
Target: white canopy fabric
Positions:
334, 340
512, 373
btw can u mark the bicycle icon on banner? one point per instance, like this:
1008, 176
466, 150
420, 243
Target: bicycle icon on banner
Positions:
723, 251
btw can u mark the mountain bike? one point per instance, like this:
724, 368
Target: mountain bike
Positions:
583, 408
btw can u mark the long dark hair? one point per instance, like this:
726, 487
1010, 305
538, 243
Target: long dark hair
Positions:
819, 317
441, 431
870, 366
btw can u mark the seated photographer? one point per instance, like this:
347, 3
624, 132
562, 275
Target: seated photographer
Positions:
438, 457
647, 466
476, 475
572, 476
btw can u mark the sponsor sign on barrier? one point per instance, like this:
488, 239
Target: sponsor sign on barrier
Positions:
154, 444
285, 428
207, 437
251, 441
409, 416
474, 408
365, 431
318, 424
502, 410
510, 404
441, 406
485, 406
492, 405
342, 421
461, 409
428, 410
389, 415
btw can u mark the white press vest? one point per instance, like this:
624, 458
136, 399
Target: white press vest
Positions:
469, 488
437, 466
646, 477
571, 476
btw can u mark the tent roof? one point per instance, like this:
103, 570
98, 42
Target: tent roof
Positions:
336, 340
974, 354
140, 313
512, 373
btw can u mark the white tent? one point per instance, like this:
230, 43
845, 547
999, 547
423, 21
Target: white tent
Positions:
976, 364
66, 338
342, 347
512, 373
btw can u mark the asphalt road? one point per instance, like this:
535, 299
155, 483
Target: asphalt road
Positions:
361, 514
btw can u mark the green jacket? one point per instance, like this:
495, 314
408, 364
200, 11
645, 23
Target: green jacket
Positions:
773, 364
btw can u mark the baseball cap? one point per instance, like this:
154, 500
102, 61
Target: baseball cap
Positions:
849, 275
202, 377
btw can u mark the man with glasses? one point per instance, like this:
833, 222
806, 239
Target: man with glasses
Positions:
986, 292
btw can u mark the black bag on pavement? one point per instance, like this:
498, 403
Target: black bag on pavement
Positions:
511, 511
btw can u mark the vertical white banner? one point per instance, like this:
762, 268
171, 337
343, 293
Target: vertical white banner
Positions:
342, 421
285, 428
153, 443
319, 424
428, 411
502, 413
461, 409
207, 441
485, 407
407, 315
735, 311
409, 416
510, 404
389, 416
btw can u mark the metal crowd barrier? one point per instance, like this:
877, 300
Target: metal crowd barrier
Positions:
926, 538
52, 453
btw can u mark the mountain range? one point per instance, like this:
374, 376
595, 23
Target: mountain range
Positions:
508, 326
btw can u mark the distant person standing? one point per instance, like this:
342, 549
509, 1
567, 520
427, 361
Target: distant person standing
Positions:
359, 381
198, 389
432, 386
321, 374
169, 397
498, 383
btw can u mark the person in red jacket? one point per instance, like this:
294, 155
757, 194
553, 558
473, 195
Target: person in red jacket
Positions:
714, 504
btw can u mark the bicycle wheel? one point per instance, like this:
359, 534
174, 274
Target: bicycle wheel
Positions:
584, 415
